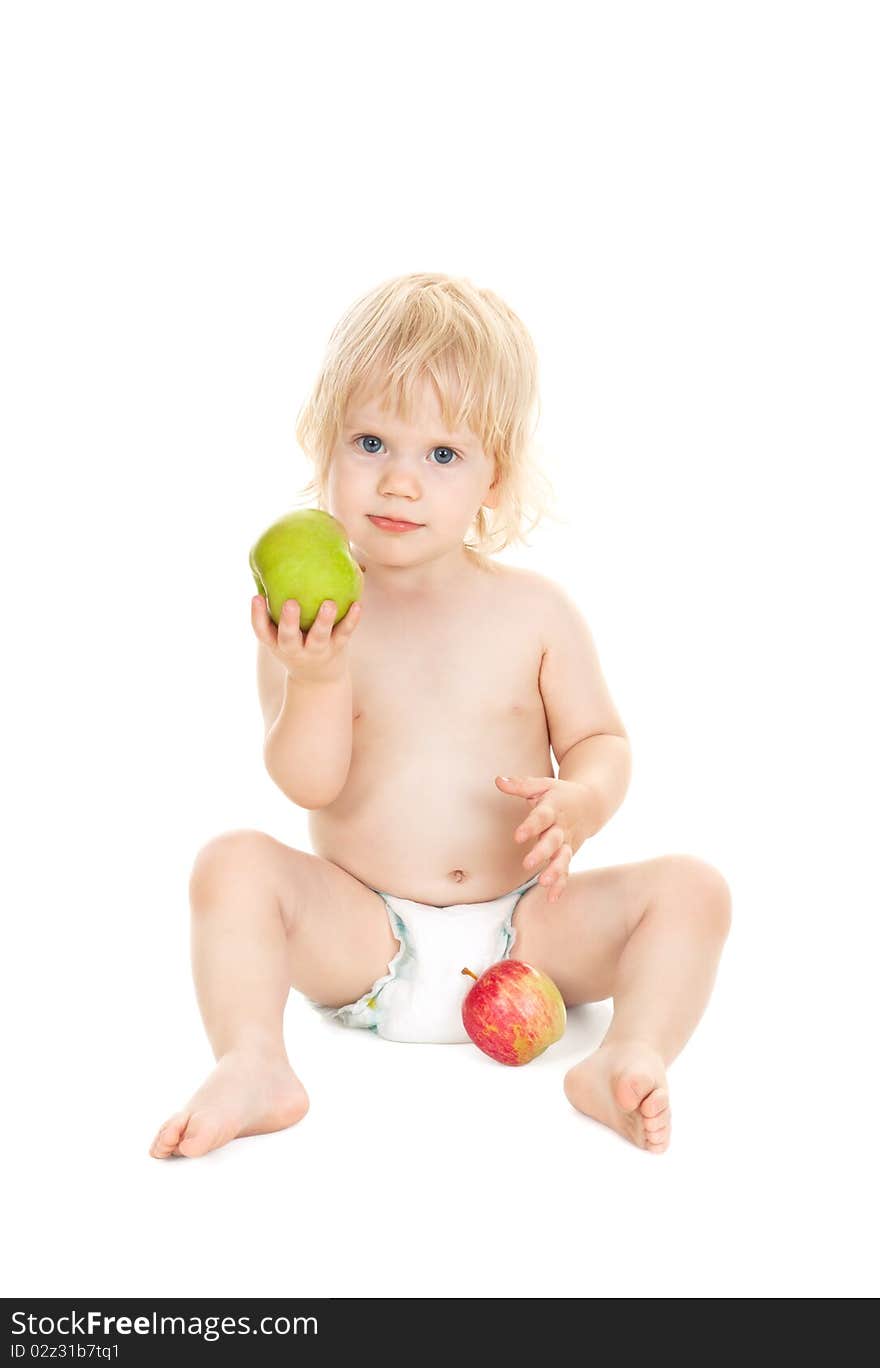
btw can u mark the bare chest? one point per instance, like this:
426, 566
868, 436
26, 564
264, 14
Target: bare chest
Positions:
443, 700
443, 681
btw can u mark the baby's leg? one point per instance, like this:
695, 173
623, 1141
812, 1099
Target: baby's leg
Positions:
650, 935
265, 917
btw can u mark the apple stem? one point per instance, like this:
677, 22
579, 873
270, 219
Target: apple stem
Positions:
473, 975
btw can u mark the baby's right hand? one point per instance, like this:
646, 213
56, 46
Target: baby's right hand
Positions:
320, 656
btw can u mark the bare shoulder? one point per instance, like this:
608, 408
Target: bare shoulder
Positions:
558, 597
546, 602
512, 578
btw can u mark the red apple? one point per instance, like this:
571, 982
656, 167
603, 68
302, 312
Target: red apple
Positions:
513, 1012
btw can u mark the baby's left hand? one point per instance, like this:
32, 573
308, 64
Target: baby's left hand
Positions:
561, 819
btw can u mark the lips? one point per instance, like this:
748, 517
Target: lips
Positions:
392, 524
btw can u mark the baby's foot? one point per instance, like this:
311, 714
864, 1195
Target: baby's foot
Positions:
248, 1093
624, 1086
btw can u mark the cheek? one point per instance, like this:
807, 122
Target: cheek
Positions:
342, 478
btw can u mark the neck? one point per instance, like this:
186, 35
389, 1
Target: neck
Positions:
420, 584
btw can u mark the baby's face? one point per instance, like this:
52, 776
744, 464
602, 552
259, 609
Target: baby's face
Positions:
416, 471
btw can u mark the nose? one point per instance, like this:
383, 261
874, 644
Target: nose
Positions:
397, 478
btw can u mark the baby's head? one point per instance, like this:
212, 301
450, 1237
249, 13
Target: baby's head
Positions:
424, 410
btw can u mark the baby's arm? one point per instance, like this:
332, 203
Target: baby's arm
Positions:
307, 751
306, 695
588, 737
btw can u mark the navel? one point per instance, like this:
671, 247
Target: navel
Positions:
458, 875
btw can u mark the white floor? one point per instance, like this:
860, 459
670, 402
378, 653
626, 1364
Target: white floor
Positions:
432, 1170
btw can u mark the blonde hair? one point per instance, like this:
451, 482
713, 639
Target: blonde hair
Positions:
470, 345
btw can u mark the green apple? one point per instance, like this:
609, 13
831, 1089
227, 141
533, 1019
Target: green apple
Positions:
306, 556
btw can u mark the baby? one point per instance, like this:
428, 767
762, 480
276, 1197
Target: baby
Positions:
418, 733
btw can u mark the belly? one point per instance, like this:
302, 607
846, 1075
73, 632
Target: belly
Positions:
428, 822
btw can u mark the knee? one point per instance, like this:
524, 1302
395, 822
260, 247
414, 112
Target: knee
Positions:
699, 890
226, 857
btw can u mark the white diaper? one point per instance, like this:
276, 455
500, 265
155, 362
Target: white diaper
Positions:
420, 997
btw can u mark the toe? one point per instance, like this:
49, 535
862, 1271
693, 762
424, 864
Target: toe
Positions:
657, 1130
202, 1134
655, 1104
654, 1124
630, 1088
168, 1135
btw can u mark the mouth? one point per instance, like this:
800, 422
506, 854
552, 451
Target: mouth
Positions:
393, 524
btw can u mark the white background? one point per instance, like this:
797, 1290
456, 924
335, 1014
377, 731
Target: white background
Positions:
681, 202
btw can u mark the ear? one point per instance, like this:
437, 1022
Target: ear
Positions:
492, 495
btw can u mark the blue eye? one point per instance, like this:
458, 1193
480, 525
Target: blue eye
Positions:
449, 456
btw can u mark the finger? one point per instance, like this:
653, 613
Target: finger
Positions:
523, 788
319, 632
288, 625
538, 820
558, 866
556, 890
347, 625
548, 845
554, 880
263, 625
